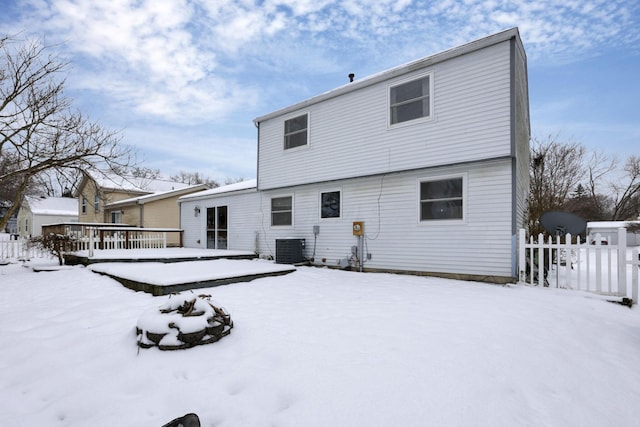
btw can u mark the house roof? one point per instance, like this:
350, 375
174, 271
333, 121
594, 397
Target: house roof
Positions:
398, 71
158, 195
133, 184
250, 184
60, 206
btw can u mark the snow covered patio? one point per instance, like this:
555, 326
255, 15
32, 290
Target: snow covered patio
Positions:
166, 278
168, 270
320, 347
153, 255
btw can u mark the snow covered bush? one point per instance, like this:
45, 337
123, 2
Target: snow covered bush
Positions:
184, 321
55, 244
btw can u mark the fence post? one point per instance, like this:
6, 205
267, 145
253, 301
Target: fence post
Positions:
90, 242
521, 255
622, 262
635, 266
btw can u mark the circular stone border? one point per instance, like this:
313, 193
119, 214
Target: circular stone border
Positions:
184, 321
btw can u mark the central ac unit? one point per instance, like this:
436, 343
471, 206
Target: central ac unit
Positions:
289, 251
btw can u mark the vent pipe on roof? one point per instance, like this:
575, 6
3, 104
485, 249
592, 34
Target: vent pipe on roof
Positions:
351, 76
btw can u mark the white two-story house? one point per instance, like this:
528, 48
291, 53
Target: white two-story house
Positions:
421, 168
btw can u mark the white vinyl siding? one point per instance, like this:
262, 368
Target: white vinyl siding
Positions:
471, 121
244, 219
388, 206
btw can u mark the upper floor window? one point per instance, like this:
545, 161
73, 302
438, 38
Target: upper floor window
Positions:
96, 203
295, 131
441, 199
84, 205
330, 204
410, 100
282, 211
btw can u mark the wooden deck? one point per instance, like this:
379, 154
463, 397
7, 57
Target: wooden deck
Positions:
167, 255
165, 271
166, 289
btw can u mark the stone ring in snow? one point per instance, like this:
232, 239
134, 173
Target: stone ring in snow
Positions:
184, 321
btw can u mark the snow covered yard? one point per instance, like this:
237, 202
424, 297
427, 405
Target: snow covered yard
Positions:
320, 347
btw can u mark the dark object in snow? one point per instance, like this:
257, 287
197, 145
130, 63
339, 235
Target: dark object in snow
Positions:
185, 321
189, 420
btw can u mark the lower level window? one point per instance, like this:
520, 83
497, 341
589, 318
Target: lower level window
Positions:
441, 199
330, 204
282, 211
116, 217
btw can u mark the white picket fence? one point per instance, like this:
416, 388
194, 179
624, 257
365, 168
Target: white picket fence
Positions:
611, 270
120, 241
20, 249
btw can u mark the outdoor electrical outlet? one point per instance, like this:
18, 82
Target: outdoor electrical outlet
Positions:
368, 255
316, 229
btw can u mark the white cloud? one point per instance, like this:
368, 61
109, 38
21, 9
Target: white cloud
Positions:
193, 60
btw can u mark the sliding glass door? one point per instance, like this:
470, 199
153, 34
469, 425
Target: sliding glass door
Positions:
217, 227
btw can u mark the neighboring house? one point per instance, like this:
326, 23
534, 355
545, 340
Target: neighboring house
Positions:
428, 162
35, 212
138, 202
608, 231
155, 210
98, 190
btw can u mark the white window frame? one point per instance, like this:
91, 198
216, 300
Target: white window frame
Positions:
320, 193
116, 215
84, 205
424, 119
465, 195
281, 196
96, 203
284, 135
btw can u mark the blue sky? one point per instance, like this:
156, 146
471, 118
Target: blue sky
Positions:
183, 79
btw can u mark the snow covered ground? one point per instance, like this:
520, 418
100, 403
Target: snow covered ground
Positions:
319, 347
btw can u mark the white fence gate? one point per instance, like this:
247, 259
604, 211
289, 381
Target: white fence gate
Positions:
611, 270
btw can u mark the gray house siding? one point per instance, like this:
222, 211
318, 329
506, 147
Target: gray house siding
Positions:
395, 237
243, 219
478, 131
471, 121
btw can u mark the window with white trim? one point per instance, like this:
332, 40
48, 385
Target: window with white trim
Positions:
295, 131
330, 202
441, 199
282, 211
96, 203
84, 205
410, 100
116, 217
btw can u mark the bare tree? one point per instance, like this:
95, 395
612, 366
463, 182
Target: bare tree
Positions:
193, 178
229, 181
39, 132
627, 192
556, 169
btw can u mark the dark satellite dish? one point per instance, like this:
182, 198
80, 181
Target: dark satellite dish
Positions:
559, 223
